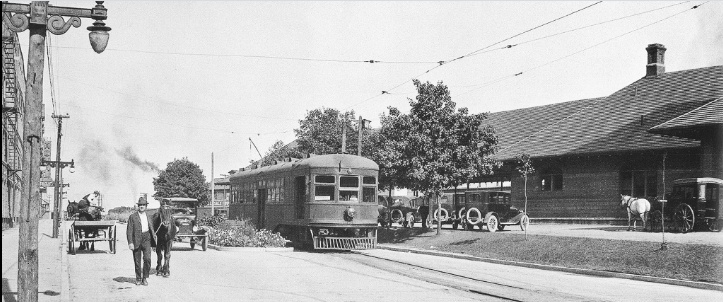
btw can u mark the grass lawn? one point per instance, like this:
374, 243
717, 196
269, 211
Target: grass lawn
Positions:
680, 261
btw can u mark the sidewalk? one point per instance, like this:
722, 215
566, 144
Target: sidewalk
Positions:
50, 264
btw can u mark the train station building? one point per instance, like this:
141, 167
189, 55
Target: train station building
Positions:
636, 141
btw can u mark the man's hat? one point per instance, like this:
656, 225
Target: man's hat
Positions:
142, 201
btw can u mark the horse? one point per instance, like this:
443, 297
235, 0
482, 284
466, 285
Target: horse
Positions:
166, 230
636, 207
86, 210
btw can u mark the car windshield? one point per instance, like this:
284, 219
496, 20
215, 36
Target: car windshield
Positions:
182, 207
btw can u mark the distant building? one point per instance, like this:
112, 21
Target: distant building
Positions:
636, 141
222, 192
13, 98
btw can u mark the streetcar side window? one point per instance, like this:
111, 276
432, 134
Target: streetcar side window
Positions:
369, 191
324, 187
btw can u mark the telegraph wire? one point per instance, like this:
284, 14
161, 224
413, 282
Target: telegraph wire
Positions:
159, 100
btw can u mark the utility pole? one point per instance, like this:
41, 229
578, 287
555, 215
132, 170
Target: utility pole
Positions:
343, 138
38, 17
213, 187
56, 203
362, 125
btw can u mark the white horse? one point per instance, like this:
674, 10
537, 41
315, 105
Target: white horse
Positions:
637, 207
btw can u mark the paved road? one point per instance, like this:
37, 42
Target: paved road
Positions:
243, 276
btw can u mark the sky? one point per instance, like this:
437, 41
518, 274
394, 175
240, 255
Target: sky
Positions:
185, 79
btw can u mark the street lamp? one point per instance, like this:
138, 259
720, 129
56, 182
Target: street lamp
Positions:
39, 17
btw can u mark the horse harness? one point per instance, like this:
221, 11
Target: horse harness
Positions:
630, 202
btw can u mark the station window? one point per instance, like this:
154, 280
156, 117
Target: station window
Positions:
551, 181
639, 183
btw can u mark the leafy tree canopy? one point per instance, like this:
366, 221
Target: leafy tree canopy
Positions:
320, 132
435, 146
181, 178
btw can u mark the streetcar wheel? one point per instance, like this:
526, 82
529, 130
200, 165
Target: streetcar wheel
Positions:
524, 222
492, 224
204, 243
684, 217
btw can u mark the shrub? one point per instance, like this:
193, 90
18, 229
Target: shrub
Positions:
121, 216
211, 221
242, 233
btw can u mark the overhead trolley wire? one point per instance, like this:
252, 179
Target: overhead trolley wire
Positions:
587, 48
441, 63
261, 57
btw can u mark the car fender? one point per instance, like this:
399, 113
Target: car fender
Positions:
488, 215
517, 217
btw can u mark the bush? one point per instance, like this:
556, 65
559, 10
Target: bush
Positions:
121, 216
242, 233
211, 221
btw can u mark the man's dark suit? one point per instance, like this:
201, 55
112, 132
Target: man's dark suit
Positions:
141, 243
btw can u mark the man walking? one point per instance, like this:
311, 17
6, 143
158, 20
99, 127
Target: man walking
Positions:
140, 233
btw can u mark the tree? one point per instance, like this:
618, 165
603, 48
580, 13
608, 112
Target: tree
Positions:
320, 132
279, 151
435, 146
525, 168
181, 178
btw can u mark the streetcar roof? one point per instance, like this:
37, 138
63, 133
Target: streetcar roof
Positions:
343, 161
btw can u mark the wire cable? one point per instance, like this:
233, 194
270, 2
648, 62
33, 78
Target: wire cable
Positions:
258, 56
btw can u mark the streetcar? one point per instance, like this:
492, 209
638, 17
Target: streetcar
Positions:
320, 202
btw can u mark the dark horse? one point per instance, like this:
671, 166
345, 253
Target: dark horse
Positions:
84, 211
165, 230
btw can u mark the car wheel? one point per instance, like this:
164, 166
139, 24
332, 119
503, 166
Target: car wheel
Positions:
474, 216
524, 222
492, 224
397, 216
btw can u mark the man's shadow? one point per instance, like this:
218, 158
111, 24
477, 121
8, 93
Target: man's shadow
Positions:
131, 280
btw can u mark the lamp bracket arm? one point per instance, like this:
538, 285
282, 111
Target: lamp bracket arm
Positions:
58, 26
16, 22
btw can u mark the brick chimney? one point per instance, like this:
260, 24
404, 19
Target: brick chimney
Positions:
656, 60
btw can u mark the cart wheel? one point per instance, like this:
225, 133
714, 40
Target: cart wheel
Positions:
113, 241
524, 222
684, 217
714, 225
492, 224
71, 242
204, 243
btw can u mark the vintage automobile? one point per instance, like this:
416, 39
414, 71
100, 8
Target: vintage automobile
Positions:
492, 209
184, 216
693, 204
400, 209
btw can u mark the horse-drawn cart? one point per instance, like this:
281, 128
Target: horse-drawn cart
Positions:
86, 233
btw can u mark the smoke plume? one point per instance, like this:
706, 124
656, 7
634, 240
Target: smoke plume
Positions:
129, 155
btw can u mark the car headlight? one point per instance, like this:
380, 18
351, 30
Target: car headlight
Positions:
195, 228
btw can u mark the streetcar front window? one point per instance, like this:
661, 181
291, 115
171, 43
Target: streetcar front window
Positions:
349, 188
324, 188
